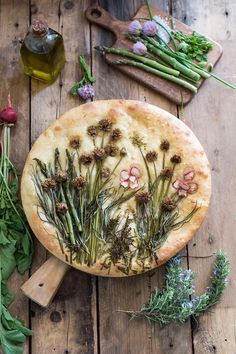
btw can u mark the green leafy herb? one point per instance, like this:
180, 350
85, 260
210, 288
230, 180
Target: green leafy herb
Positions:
194, 45
176, 302
15, 248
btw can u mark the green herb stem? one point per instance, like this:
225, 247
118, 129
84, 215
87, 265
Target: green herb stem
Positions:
158, 73
148, 62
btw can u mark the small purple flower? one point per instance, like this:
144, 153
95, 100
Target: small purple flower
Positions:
186, 275
187, 305
139, 48
135, 28
150, 28
175, 260
86, 91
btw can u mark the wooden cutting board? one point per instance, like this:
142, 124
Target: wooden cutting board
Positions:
172, 91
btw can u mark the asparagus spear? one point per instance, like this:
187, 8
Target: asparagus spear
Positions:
168, 59
146, 61
157, 73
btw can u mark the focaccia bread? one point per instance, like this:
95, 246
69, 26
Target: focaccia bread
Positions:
116, 187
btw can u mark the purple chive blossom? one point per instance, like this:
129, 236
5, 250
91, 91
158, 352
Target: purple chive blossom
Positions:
135, 28
139, 48
150, 28
86, 91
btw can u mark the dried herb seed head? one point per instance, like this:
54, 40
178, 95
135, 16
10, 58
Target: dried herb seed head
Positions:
165, 145
168, 204
61, 208
61, 176
123, 152
86, 159
105, 124
75, 142
167, 173
143, 197
49, 183
92, 130
176, 159
99, 154
105, 173
111, 150
116, 134
79, 182
151, 156
137, 140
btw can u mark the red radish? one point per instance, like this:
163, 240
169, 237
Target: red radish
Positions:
8, 114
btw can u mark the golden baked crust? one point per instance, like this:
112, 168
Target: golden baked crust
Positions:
154, 125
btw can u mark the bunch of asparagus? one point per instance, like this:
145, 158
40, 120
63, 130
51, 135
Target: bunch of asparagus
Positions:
155, 55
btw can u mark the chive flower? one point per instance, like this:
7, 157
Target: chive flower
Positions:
74, 142
150, 28
139, 48
151, 156
79, 182
61, 176
92, 130
115, 134
49, 183
135, 28
143, 197
61, 208
105, 173
111, 150
105, 124
176, 159
165, 145
86, 159
86, 91
99, 154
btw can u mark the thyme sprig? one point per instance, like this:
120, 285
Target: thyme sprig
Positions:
176, 301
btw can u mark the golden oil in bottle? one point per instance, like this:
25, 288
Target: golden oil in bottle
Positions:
42, 52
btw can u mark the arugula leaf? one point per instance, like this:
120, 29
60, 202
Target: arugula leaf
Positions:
7, 259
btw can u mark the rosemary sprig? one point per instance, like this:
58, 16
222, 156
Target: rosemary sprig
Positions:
175, 302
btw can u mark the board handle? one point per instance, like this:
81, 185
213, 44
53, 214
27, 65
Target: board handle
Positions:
42, 286
102, 18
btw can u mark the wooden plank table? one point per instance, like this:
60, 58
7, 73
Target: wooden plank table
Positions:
82, 317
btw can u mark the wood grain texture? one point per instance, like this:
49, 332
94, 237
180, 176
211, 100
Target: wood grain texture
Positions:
44, 283
83, 318
12, 29
175, 93
117, 334
70, 318
211, 115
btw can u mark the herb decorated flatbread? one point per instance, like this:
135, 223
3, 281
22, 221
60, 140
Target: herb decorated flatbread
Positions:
116, 187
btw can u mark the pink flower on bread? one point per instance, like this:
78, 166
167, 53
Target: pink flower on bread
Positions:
130, 178
185, 185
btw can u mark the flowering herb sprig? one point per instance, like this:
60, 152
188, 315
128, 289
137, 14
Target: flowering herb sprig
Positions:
84, 87
176, 301
83, 201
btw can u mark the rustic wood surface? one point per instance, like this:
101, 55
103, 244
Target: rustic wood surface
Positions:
82, 318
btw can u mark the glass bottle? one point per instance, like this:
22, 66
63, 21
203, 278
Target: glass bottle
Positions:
42, 52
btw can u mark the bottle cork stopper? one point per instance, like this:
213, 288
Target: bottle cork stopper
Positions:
39, 27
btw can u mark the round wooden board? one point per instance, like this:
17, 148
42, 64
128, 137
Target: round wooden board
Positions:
153, 125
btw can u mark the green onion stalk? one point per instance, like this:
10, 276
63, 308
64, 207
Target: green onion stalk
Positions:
158, 73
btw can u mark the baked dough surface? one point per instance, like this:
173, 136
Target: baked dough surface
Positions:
153, 125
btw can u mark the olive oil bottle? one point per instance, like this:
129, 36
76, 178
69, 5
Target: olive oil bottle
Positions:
42, 52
